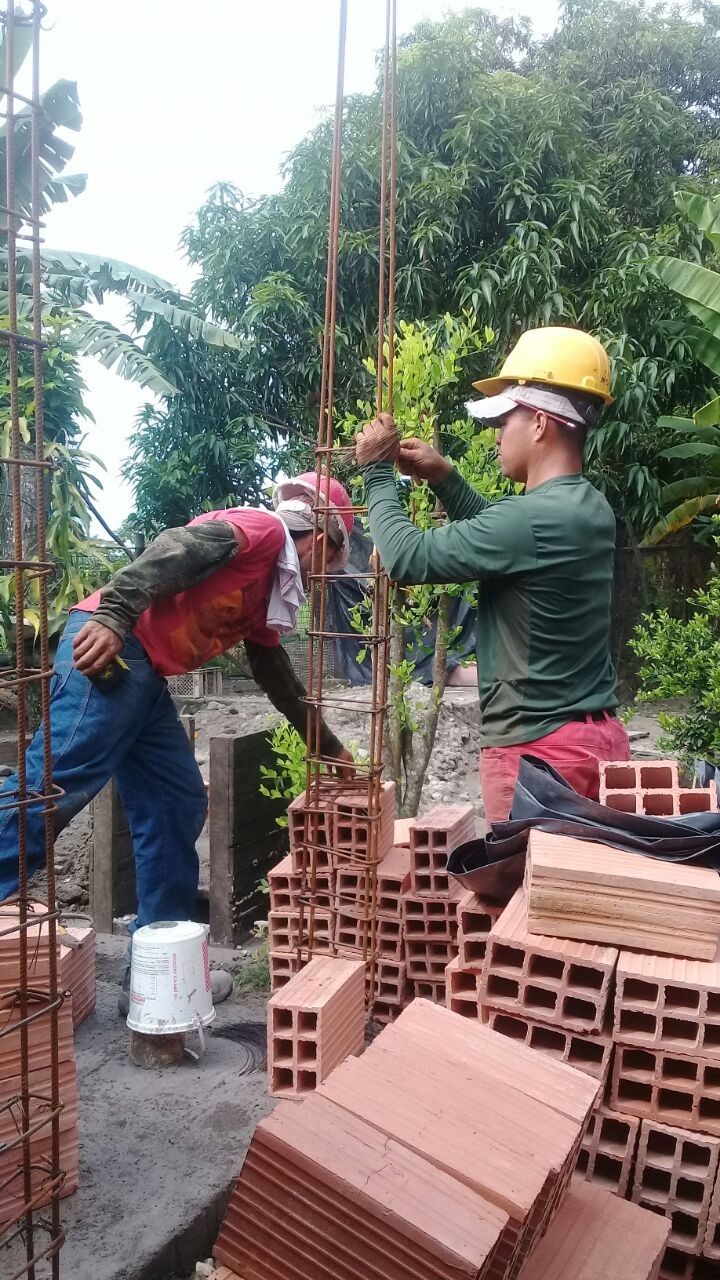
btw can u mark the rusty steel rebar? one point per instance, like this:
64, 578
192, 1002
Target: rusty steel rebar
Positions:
34, 1229
321, 789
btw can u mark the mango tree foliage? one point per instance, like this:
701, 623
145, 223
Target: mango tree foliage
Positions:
535, 184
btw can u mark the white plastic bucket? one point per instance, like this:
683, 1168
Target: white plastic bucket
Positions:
170, 988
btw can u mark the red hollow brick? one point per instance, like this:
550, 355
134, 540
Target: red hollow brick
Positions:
393, 879
283, 964
552, 980
587, 890
315, 1021
285, 885
461, 989
669, 1088
607, 1157
429, 989
475, 918
355, 829
427, 961
598, 1236
432, 839
664, 1002
324, 1193
284, 930
675, 1175
391, 982
590, 1054
429, 918
389, 938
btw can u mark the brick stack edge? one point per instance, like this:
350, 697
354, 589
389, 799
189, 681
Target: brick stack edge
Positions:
655, 1137
644, 1027
416, 907
443, 1151
12, 1194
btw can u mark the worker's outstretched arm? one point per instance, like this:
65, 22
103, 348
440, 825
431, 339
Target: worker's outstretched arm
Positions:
498, 540
274, 672
177, 560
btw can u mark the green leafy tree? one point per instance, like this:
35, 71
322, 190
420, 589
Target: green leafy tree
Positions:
681, 659
427, 390
696, 447
535, 185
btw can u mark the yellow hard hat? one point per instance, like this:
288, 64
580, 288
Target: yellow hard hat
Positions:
557, 356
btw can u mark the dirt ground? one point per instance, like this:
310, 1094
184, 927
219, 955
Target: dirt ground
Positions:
452, 776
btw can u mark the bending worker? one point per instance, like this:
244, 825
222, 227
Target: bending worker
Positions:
544, 560
228, 576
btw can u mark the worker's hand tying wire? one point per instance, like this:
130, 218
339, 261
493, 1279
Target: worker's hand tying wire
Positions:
377, 441
94, 647
421, 462
343, 765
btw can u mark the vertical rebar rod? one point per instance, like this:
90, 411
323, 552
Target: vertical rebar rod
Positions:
365, 789
41, 500
33, 1113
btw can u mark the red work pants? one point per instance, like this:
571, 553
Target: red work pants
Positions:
575, 751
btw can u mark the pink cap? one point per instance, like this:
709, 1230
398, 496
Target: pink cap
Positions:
306, 485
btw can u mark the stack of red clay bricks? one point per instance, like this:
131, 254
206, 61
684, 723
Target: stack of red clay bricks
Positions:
645, 1026
76, 971
429, 908
341, 907
416, 902
12, 1191
315, 1021
444, 1151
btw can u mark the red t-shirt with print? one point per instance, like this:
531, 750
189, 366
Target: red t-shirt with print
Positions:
181, 632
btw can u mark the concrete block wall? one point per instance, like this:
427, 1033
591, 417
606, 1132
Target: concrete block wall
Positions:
314, 1022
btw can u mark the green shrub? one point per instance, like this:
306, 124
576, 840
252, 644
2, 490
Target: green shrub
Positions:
681, 659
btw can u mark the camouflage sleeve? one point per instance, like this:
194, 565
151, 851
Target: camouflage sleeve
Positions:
177, 560
273, 671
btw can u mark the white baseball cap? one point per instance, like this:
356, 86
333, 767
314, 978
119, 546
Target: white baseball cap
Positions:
528, 397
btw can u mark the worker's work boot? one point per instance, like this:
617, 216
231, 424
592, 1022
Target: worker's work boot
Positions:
221, 985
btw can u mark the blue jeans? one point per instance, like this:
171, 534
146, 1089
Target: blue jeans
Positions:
131, 733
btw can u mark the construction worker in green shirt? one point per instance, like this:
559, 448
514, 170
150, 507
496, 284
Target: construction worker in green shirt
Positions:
543, 560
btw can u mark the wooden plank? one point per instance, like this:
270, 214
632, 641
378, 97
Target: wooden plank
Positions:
587, 890
245, 840
112, 861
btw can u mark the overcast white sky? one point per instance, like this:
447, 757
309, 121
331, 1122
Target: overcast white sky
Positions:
177, 96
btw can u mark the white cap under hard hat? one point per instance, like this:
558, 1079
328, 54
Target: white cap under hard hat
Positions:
552, 402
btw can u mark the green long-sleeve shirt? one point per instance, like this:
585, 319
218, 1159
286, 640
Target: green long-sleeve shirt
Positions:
544, 564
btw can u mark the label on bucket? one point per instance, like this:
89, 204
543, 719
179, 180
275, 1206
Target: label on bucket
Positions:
146, 968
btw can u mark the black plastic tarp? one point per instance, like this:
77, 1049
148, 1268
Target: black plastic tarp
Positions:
347, 592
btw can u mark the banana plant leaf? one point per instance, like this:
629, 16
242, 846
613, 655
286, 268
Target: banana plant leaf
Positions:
681, 516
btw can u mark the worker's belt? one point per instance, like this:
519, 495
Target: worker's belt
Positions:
593, 715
